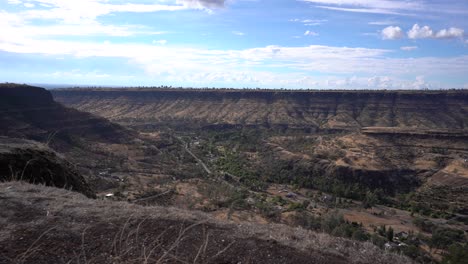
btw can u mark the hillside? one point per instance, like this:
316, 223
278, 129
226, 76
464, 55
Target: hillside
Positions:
31, 112
23, 160
381, 158
49, 225
310, 110
103, 152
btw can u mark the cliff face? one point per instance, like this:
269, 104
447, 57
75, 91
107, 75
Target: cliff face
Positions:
301, 109
31, 112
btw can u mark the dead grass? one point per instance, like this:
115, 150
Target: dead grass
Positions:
95, 231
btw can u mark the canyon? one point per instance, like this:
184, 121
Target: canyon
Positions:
347, 163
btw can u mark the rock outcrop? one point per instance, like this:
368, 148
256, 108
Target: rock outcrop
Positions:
23, 160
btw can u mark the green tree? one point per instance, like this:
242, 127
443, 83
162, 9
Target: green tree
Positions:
370, 200
457, 254
390, 234
444, 237
360, 235
378, 240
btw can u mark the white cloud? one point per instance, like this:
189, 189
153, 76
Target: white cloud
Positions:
409, 48
382, 4
255, 65
380, 82
202, 4
365, 6
84, 11
392, 32
310, 33
361, 10
309, 22
420, 83
419, 8
382, 23
79, 74
450, 33
164, 60
14, 26
417, 32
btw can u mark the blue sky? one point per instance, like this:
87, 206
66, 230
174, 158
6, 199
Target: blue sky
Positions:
323, 44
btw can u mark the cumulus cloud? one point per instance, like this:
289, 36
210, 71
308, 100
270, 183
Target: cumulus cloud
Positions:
310, 33
420, 83
450, 33
392, 32
417, 32
260, 64
380, 82
409, 48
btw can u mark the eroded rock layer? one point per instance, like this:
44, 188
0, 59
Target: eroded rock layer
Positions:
290, 109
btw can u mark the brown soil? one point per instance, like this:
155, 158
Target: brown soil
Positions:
48, 225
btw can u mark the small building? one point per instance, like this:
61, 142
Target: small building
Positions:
401, 235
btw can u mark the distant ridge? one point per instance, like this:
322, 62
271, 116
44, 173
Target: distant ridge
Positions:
303, 109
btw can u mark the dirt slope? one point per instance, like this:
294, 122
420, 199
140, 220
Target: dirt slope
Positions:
24, 160
49, 225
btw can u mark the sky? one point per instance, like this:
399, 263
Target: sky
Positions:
293, 44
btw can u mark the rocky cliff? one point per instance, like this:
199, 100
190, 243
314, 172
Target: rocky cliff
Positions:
31, 112
350, 110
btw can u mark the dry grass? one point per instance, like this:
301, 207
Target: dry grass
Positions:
119, 232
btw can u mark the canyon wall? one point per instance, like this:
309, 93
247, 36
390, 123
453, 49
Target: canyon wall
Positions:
348, 110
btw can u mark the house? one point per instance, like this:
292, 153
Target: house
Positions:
401, 235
